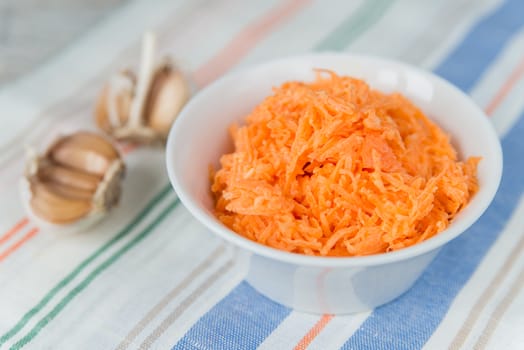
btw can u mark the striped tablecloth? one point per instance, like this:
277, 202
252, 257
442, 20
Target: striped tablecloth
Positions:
149, 276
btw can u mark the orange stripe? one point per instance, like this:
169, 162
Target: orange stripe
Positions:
13, 230
313, 332
128, 148
19, 243
506, 88
243, 42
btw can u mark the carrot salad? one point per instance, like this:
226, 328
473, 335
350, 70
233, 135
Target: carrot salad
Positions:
335, 168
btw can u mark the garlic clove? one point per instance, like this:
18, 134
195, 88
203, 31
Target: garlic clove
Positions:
55, 207
84, 151
142, 110
74, 183
69, 192
168, 94
69, 177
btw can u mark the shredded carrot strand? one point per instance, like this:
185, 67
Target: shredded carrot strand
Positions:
335, 168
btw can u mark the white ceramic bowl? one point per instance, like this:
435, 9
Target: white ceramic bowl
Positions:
320, 284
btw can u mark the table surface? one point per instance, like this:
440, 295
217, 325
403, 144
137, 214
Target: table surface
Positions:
33, 31
150, 276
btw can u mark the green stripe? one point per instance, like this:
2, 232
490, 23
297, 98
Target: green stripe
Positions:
103, 266
360, 21
124, 232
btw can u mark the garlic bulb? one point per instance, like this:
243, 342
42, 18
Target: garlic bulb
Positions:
77, 180
142, 109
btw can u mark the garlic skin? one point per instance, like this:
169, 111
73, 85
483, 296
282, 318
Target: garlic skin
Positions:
74, 183
141, 109
114, 104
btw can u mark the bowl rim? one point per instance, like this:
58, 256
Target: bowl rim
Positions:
413, 251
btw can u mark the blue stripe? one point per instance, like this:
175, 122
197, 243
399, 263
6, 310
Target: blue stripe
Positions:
465, 65
242, 320
408, 322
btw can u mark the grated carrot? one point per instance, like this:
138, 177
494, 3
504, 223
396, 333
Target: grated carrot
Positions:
335, 168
